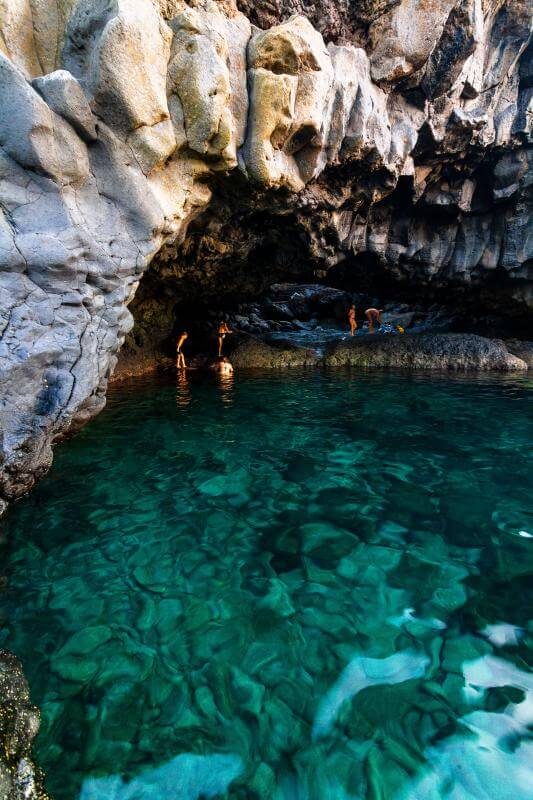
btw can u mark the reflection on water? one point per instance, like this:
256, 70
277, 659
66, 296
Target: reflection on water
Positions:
226, 383
312, 587
183, 387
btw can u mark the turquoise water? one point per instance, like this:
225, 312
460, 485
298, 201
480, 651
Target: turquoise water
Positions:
305, 587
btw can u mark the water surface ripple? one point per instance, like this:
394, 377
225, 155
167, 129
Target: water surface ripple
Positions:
297, 587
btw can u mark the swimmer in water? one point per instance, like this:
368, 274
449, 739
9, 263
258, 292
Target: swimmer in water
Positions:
180, 358
373, 314
222, 331
352, 320
223, 366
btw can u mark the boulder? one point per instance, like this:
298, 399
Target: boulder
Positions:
442, 351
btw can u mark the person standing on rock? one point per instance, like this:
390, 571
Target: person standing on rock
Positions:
223, 330
373, 314
352, 320
180, 358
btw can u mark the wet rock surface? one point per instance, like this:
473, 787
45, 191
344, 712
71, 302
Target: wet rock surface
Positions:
375, 140
451, 351
260, 355
20, 779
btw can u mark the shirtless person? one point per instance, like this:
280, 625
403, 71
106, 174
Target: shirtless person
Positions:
351, 320
222, 331
223, 366
180, 358
373, 314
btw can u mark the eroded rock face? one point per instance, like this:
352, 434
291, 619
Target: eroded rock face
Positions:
396, 131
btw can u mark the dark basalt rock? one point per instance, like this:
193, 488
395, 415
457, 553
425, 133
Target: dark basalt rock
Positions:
442, 351
522, 350
259, 355
456, 352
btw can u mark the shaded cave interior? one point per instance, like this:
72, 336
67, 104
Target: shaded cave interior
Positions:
246, 241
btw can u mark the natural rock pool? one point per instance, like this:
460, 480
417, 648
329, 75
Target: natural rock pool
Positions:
302, 587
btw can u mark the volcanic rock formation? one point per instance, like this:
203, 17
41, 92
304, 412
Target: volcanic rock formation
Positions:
19, 724
393, 138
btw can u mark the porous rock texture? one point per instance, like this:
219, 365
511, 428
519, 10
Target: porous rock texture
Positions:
452, 352
20, 779
522, 350
393, 136
441, 351
260, 355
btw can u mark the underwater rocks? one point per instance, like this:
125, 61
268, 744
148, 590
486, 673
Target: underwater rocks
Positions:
19, 723
442, 351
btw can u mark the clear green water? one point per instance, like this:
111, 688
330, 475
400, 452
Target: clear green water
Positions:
307, 587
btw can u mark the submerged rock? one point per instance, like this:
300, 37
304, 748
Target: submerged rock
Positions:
443, 351
19, 724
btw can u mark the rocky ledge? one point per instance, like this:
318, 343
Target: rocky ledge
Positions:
445, 351
282, 355
20, 779
522, 350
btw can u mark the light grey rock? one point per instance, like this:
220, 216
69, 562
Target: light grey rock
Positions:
33, 135
116, 116
64, 95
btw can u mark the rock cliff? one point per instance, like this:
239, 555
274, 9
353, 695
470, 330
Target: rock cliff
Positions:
375, 136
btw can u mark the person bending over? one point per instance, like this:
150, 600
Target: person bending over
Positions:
352, 320
180, 358
373, 315
223, 330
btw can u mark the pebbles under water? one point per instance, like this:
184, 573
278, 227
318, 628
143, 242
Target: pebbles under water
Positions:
307, 587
